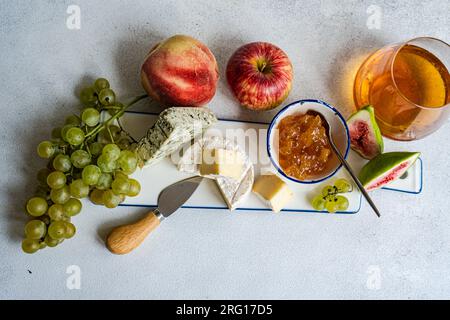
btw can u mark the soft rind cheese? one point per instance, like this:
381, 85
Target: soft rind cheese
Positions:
273, 191
234, 191
174, 127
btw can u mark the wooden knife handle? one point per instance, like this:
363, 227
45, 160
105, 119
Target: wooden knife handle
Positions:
125, 238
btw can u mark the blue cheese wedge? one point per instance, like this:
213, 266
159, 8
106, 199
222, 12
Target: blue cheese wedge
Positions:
234, 188
173, 128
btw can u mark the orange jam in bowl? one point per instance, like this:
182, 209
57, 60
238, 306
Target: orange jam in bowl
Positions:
304, 150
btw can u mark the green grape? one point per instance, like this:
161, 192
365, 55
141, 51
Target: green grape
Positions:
72, 207
49, 241
135, 188
88, 97
330, 203
328, 190
80, 158
74, 136
79, 189
56, 133
90, 116
343, 185
104, 181
106, 97
111, 151
45, 149
73, 120
96, 196
56, 180
57, 230
120, 186
110, 199
100, 84
318, 202
56, 212
60, 196
35, 229
70, 230
91, 174
37, 206
62, 163
342, 203
127, 161
96, 148
42, 245
30, 245
42, 176
105, 164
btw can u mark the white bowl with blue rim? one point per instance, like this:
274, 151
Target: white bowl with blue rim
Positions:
339, 133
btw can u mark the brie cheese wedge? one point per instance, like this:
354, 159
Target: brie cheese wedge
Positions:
234, 187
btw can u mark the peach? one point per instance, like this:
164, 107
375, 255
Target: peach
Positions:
180, 71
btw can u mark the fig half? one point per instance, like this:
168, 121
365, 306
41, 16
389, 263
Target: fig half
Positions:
365, 135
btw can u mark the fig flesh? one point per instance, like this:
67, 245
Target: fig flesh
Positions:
365, 135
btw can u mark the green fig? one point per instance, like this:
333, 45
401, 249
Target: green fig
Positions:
385, 168
365, 135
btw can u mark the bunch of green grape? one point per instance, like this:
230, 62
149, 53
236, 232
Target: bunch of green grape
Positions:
87, 158
330, 200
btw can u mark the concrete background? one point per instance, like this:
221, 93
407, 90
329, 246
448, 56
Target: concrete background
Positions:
205, 254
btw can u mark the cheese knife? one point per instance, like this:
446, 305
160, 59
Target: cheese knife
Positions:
123, 239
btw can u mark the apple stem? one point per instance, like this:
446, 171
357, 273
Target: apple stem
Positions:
262, 66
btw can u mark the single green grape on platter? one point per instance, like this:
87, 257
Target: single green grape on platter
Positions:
343, 186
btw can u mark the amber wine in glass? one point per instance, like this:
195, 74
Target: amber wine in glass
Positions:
408, 84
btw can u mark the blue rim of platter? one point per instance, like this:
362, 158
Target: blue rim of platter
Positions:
300, 102
263, 209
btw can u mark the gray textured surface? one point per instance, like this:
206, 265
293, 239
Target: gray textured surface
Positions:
206, 254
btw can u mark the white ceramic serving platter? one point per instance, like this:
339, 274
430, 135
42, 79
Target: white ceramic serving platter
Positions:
155, 178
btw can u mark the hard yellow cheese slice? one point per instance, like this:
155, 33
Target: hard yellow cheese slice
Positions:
272, 190
221, 162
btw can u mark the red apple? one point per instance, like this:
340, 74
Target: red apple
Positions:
180, 71
260, 75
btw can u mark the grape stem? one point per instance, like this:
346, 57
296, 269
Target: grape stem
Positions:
102, 126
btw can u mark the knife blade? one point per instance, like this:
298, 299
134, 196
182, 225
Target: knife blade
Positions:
123, 239
175, 195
